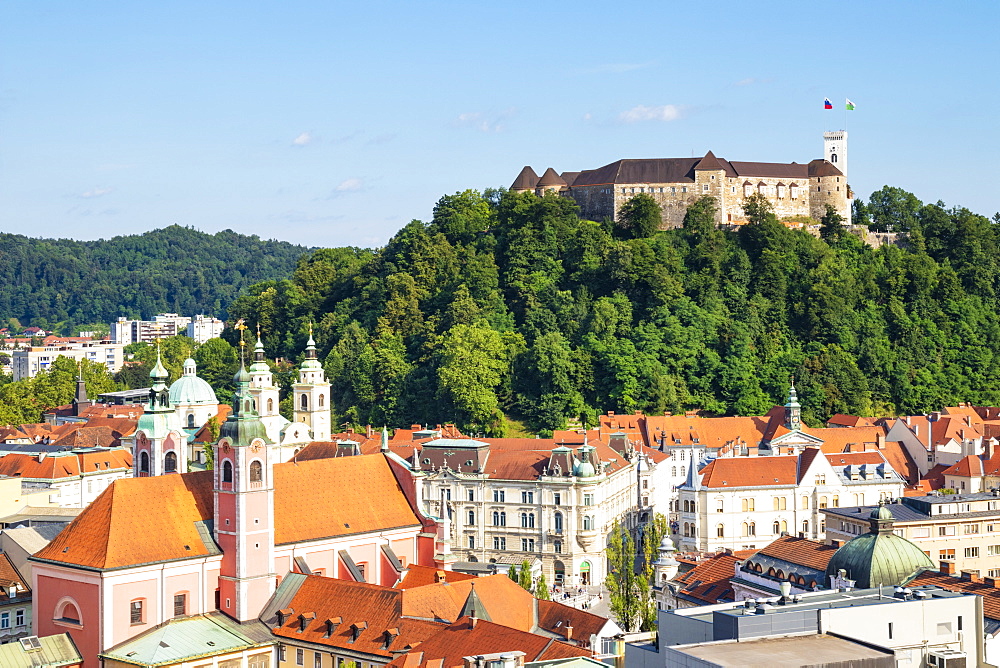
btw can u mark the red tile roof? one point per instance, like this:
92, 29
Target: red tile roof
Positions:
986, 589
64, 465
505, 601
966, 467
146, 520
372, 609
842, 420
418, 576
750, 471
708, 582
801, 551
446, 648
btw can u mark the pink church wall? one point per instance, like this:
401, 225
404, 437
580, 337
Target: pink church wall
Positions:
48, 591
177, 584
121, 597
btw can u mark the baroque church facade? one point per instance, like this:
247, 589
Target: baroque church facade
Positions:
793, 189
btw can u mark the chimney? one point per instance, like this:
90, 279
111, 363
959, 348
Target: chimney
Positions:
970, 575
947, 567
880, 440
569, 632
990, 582
440, 577
369, 432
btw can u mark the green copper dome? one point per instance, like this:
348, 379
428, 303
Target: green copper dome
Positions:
190, 389
879, 557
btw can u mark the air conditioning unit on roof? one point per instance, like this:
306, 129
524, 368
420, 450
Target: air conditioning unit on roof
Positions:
946, 658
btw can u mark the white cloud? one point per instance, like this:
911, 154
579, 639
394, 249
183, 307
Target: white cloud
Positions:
750, 81
485, 122
587, 116
350, 185
96, 192
665, 112
303, 139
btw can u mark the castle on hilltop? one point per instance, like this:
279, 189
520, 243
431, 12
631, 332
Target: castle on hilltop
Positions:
676, 183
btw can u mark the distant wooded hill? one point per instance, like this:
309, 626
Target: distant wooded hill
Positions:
512, 305
61, 283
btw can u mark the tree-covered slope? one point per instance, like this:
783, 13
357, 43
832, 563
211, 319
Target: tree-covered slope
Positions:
510, 303
62, 282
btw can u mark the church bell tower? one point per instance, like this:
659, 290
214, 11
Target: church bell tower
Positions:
243, 486
312, 394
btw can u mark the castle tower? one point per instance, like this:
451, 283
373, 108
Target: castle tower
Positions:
244, 507
312, 394
835, 149
160, 445
262, 387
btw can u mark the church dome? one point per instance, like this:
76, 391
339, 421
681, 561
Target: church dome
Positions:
189, 389
879, 557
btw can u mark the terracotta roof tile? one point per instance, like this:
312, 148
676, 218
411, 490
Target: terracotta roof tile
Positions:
312, 500
709, 580
461, 639
377, 608
418, 576
801, 551
504, 599
990, 594
751, 471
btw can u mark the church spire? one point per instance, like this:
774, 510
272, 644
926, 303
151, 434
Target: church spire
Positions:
159, 395
793, 411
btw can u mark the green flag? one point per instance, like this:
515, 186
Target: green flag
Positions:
850, 106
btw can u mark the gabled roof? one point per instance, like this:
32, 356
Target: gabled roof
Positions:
708, 582
709, 162
418, 576
361, 615
798, 551
446, 648
727, 472
506, 601
164, 518
820, 167
64, 465
56, 651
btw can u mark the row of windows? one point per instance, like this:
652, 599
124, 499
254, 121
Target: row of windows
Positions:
642, 189
527, 544
137, 608
18, 618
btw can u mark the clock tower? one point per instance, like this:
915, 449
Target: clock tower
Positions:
312, 394
243, 485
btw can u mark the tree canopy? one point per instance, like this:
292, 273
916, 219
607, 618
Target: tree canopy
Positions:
510, 305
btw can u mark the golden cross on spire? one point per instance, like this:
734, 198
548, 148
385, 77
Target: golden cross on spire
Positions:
310, 328
258, 331
241, 325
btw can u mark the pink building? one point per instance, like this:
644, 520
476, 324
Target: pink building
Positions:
153, 548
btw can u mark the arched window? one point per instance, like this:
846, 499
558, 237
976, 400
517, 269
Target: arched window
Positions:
673, 471
191, 421
805, 526
835, 501
256, 471
304, 402
776, 527
524, 520
683, 471
720, 531
270, 405
588, 523
68, 611
822, 502
320, 401
496, 518
833, 157
144, 462
170, 462
752, 529
784, 526
472, 517
746, 529
558, 522
227, 471
503, 519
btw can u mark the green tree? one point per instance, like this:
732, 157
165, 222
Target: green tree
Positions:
472, 359
831, 226
623, 584
513, 573
653, 534
542, 589
218, 362
639, 217
524, 576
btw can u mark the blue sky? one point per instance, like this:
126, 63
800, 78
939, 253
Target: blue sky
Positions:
331, 124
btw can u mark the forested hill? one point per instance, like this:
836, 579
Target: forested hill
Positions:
509, 304
59, 283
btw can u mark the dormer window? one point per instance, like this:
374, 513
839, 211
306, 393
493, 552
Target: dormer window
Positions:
390, 635
356, 630
331, 626
283, 615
